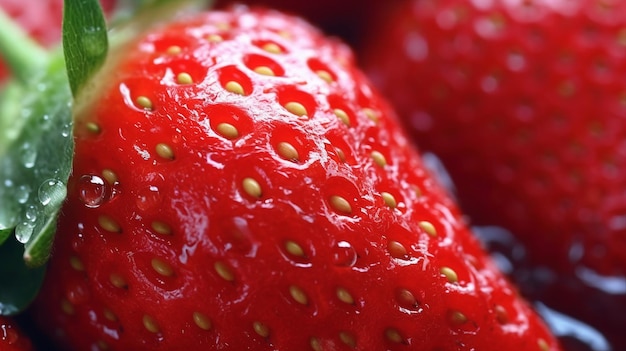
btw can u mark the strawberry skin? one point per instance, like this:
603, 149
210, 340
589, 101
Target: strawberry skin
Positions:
238, 185
11, 337
524, 103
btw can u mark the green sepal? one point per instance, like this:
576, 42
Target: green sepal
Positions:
85, 40
36, 151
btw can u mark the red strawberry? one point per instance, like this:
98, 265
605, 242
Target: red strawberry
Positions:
524, 101
238, 185
11, 337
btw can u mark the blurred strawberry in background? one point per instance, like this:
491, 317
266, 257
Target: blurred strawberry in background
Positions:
525, 103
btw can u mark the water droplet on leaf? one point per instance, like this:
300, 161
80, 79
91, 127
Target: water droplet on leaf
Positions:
28, 155
52, 192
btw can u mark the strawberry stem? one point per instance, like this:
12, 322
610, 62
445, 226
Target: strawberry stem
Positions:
22, 54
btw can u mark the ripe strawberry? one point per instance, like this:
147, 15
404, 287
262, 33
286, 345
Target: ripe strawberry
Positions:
238, 185
524, 102
11, 338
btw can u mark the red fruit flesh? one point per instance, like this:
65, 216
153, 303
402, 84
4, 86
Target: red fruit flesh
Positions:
238, 185
11, 337
524, 103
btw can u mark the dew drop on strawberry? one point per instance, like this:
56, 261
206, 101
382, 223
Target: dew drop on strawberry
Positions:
344, 255
92, 190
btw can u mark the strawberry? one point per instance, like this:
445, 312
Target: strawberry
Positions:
237, 184
11, 337
524, 103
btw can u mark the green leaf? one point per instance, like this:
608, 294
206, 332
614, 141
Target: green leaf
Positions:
25, 59
85, 40
19, 282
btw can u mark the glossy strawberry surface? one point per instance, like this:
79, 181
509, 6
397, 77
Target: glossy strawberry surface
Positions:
524, 103
238, 185
11, 337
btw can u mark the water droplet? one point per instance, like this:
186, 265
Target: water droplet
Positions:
22, 194
52, 192
92, 190
31, 213
28, 155
148, 198
23, 231
344, 254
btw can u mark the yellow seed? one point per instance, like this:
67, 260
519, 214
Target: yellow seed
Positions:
342, 115
174, 50
162, 267
371, 114
324, 75
161, 228
76, 263
344, 296
287, 151
342, 156
93, 128
316, 345
296, 108
165, 151
294, 248
298, 295
184, 78
340, 204
102, 345
150, 324
450, 274
406, 298
224, 271
389, 199
234, 87
261, 329
109, 176
108, 314
457, 317
252, 187
347, 339
393, 335
214, 38
502, 315
108, 224
264, 70
396, 249
118, 281
379, 158
543, 344
202, 321
67, 307
417, 191
224, 26
227, 130
428, 227
272, 48
144, 102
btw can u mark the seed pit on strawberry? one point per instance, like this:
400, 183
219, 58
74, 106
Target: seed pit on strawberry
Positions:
109, 224
164, 151
321, 70
224, 271
263, 65
202, 321
270, 46
228, 121
297, 102
235, 81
